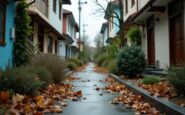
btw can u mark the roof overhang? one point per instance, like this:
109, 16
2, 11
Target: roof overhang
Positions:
66, 1
68, 39
46, 24
71, 16
104, 26
111, 5
151, 7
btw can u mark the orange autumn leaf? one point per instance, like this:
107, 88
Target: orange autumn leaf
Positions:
27, 108
4, 96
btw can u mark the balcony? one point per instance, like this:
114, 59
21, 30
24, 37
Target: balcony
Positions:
42, 6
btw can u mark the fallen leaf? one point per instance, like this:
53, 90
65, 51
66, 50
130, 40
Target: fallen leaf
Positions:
4, 96
18, 98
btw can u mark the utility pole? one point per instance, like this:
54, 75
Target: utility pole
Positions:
84, 25
79, 26
80, 8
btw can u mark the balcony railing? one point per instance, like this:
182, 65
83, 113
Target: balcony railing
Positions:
42, 6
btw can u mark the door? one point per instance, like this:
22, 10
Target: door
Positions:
176, 23
151, 42
41, 37
176, 40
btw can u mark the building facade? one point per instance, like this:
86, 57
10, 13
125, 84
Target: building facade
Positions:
162, 27
46, 23
7, 33
113, 22
68, 48
104, 31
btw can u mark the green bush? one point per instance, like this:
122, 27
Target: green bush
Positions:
71, 65
150, 80
100, 59
52, 63
135, 35
105, 63
112, 66
44, 75
131, 61
20, 80
76, 61
176, 77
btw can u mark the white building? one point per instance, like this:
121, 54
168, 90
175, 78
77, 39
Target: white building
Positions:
104, 31
68, 48
162, 27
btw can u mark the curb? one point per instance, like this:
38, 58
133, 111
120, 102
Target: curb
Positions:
69, 73
163, 105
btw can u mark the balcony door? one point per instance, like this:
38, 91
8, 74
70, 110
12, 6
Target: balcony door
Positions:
177, 42
151, 42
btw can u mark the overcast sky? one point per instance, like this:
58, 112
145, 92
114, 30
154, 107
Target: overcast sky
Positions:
93, 22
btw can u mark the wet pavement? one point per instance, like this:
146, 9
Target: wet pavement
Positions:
93, 102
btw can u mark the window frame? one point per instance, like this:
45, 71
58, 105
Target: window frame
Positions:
132, 3
60, 10
50, 44
2, 40
126, 6
55, 6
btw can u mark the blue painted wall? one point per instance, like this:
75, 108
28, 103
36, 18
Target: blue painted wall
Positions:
116, 28
6, 52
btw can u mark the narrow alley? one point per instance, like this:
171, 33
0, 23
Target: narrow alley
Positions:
93, 102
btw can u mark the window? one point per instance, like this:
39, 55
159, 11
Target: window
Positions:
112, 20
50, 44
126, 6
54, 5
60, 10
2, 23
132, 2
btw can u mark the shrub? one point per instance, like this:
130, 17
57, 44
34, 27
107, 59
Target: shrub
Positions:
76, 61
131, 61
176, 77
112, 66
71, 65
105, 63
20, 80
150, 80
100, 59
52, 63
44, 75
135, 35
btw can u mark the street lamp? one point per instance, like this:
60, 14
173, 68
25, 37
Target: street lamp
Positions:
80, 8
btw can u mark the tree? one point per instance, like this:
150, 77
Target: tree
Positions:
109, 11
23, 31
98, 41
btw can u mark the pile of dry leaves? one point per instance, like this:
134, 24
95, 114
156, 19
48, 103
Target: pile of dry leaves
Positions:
100, 70
78, 69
162, 89
50, 100
129, 99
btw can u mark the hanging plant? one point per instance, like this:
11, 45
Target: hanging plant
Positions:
23, 31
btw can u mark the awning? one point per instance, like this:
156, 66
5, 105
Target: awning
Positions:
68, 39
149, 9
46, 24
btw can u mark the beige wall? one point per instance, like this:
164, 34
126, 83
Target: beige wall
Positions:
131, 9
141, 3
